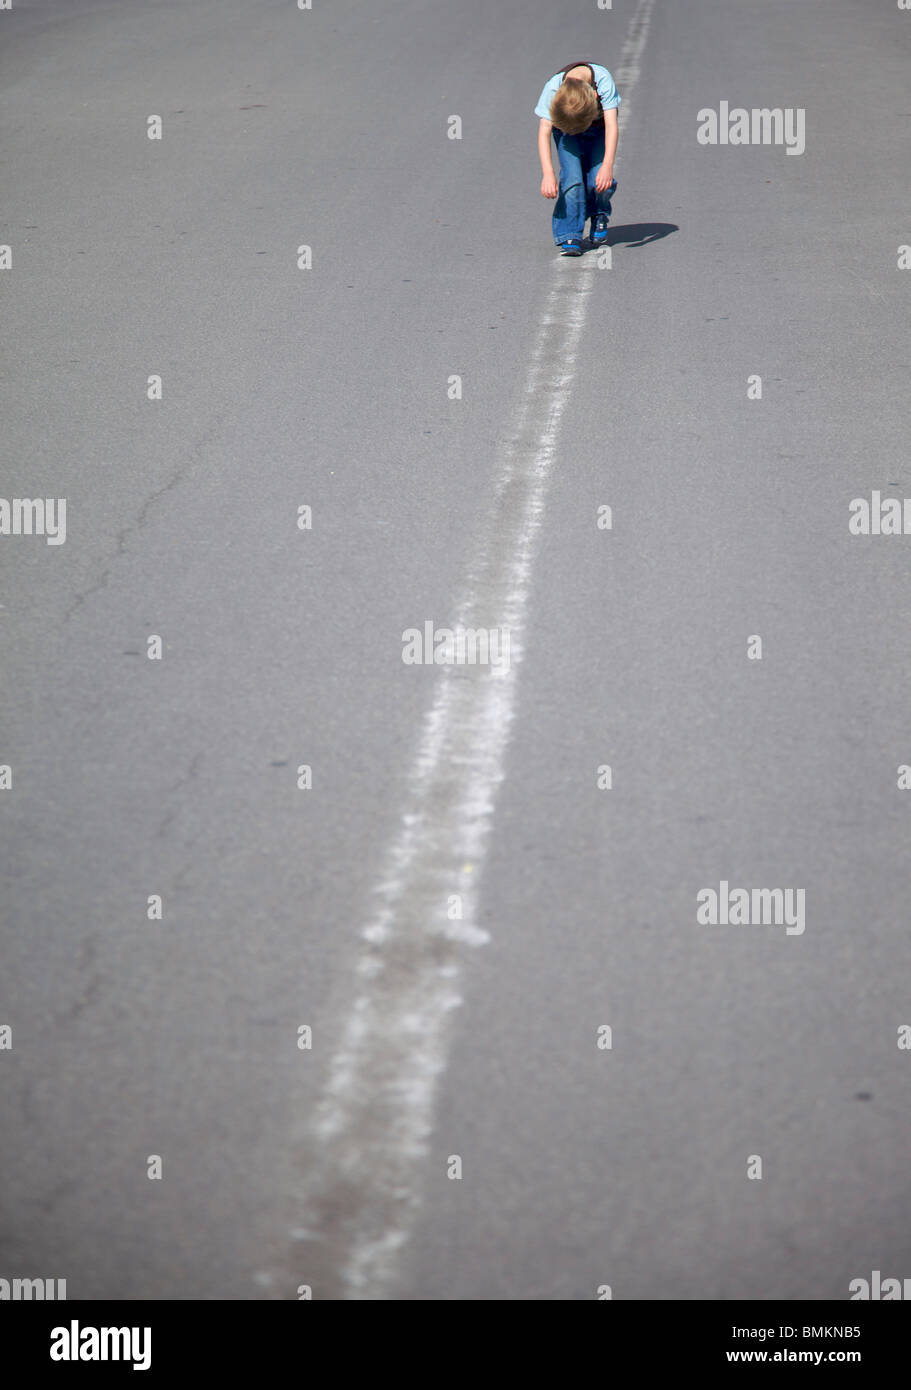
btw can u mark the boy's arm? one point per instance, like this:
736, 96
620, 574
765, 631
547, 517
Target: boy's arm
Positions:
611, 136
544, 129
548, 178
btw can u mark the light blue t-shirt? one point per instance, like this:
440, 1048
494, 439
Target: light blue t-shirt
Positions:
607, 91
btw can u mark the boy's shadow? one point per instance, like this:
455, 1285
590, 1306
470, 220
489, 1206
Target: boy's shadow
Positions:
638, 233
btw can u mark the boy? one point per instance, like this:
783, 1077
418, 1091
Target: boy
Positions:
579, 105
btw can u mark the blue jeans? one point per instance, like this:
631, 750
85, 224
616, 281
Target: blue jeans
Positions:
581, 157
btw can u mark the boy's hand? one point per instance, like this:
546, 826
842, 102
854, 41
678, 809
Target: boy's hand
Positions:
603, 179
549, 186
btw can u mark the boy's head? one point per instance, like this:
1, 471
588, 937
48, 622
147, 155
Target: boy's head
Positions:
574, 107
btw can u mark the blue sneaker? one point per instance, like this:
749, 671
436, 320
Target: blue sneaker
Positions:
599, 228
601, 219
571, 247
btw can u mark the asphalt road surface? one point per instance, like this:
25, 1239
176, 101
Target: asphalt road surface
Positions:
459, 905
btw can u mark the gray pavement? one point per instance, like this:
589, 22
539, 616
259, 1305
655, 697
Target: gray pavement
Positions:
431, 257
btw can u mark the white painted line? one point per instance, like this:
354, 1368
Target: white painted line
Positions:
360, 1191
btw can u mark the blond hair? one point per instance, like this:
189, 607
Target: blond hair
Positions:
574, 107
